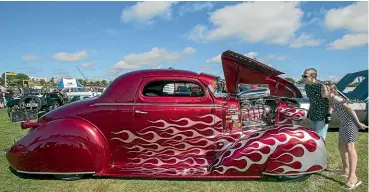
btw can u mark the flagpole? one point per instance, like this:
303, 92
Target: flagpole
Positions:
5, 84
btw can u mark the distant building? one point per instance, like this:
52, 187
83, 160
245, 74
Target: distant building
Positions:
46, 79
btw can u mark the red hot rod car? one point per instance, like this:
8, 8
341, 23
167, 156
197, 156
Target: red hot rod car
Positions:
174, 123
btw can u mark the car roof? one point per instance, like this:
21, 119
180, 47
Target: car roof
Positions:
162, 72
119, 85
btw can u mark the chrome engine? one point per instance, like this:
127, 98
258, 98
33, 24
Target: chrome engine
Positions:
256, 113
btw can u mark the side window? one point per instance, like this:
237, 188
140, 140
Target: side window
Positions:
173, 89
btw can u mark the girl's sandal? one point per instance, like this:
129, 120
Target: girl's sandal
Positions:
350, 186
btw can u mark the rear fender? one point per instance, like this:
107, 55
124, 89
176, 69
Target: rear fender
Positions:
63, 145
251, 155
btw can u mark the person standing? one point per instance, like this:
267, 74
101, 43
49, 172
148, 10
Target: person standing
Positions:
349, 127
1, 99
319, 111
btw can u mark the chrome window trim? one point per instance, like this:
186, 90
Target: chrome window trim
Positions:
156, 104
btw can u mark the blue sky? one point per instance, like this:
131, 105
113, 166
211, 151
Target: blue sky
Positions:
106, 39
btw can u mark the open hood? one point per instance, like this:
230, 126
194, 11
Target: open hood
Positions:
238, 68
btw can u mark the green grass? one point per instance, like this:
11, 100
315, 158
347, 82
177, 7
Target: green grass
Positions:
324, 181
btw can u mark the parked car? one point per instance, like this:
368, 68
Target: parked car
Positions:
137, 129
28, 106
78, 91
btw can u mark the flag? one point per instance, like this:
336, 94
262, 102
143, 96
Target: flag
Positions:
10, 73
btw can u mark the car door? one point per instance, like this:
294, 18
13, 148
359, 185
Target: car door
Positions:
174, 129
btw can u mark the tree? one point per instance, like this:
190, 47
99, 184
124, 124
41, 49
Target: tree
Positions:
2, 81
290, 79
354, 84
42, 82
16, 80
104, 82
22, 76
300, 81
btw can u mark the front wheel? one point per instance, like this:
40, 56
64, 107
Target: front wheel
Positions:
293, 178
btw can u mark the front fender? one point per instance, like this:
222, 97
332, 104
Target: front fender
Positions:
63, 145
253, 153
298, 157
12, 102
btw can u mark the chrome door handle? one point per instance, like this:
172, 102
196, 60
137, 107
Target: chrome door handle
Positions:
140, 112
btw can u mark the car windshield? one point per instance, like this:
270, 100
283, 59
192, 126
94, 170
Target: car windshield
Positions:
218, 90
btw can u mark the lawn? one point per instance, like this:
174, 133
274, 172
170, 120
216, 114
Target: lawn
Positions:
324, 181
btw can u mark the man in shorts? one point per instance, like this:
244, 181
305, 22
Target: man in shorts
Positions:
319, 111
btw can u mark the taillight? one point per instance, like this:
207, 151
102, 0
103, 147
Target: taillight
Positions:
26, 125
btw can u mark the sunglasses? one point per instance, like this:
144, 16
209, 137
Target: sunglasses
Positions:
304, 76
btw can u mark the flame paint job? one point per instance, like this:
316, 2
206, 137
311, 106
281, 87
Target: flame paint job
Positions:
285, 114
124, 133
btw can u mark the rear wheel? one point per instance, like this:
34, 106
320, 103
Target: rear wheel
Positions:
69, 177
293, 178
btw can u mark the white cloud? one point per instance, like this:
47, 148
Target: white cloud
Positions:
353, 17
155, 58
145, 12
87, 65
198, 34
160, 66
30, 58
70, 57
206, 68
305, 40
273, 22
349, 41
194, 7
333, 78
216, 59
270, 57
121, 65
251, 54
189, 50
